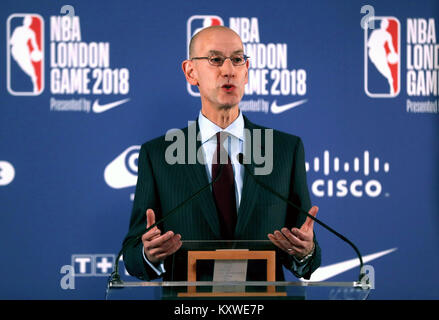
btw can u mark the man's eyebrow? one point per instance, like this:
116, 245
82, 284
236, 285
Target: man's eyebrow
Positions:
221, 53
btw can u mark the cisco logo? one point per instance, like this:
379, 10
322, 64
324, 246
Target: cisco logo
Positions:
330, 187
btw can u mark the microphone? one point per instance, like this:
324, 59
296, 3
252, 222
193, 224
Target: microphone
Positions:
362, 274
115, 277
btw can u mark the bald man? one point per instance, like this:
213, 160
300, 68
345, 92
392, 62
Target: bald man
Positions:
235, 207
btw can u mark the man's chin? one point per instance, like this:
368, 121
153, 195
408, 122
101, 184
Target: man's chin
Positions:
227, 106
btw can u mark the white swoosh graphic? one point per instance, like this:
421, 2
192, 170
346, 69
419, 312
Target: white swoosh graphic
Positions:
279, 109
326, 272
97, 108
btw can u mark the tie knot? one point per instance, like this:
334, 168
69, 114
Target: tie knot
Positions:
221, 136
221, 154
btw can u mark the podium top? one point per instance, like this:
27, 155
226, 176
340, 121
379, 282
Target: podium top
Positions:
339, 284
320, 290
227, 244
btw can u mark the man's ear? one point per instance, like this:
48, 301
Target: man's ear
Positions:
190, 72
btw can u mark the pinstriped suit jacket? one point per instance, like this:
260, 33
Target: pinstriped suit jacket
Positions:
162, 187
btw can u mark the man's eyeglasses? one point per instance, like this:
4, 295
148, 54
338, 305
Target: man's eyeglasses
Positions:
218, 60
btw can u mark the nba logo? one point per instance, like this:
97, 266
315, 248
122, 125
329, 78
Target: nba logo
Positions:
25, 54
194, 25
382, 57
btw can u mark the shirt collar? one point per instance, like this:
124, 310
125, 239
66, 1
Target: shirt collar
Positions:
208, 129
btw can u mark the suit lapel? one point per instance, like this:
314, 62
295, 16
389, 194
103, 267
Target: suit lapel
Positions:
250, 189
197, 179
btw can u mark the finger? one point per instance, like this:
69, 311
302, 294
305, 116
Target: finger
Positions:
274, 240
285, 244
172, 246
168, 248
304, 236
155, 236
309, 223
158, 242
178, 244
289, 250
170, 252
295, 241
151, 234
150, 218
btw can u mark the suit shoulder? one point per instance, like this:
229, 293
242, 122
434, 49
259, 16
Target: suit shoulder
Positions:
277, 134
161, 142
154, 143
287, 137
281, 136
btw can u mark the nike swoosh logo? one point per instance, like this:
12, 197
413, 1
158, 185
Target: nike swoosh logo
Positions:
279, 109
97, 108
326, 272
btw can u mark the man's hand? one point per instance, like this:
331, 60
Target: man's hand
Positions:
156, 246
297, 242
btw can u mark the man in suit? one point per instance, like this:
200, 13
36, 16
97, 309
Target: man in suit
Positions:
235, 207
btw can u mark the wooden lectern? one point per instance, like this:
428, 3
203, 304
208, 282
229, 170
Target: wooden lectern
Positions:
269, 256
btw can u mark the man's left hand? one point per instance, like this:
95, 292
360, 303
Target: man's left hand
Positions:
297, 242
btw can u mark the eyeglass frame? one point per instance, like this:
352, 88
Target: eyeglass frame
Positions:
225, 58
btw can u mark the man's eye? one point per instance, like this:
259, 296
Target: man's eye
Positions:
216, 59
237, 59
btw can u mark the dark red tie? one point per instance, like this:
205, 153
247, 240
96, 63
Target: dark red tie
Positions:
224, 188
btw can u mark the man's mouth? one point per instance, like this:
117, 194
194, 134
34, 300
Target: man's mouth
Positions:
228, 87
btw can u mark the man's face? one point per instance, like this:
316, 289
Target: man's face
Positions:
220, 87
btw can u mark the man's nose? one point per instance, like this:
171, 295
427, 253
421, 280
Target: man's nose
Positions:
228, 69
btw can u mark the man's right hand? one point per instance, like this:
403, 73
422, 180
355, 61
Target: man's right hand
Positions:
156, 246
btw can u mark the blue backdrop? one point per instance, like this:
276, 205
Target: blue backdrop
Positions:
68, 151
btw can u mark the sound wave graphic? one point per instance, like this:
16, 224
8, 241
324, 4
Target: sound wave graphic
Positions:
367, 162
